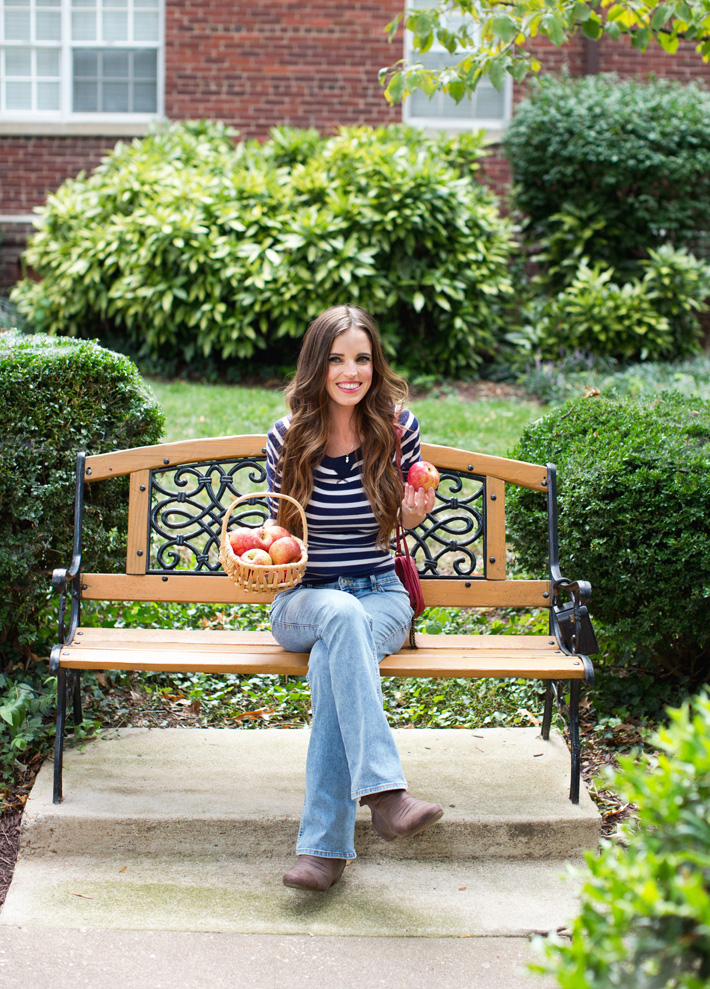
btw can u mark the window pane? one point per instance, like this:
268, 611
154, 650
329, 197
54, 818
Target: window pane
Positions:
145, 26
83, 25
84, 3
489, 102
86, 63
145, 3
18, 95
457, 111
17, 25
47, 62
114, 25
107, 4
115, 64
115, 97
47, 95
86, 97
144, 97
18, 62
51, 3
145, 65
48, 25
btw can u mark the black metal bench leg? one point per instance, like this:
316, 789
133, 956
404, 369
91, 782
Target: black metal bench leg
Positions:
59, 737
576, 754
76, 698
547, 713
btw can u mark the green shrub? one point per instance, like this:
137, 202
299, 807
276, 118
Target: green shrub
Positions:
59, 397
597, 314
186, 245
634, 498
647, 318
645, 903
680, 287
633, 154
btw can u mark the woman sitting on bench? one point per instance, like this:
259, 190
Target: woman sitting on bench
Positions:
335, 453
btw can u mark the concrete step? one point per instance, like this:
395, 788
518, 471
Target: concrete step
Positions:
376, 897
239, 792
191, 830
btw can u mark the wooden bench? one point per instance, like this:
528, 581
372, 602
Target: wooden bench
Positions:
178, 493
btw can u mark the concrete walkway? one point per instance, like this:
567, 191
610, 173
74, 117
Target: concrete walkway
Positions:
163, 866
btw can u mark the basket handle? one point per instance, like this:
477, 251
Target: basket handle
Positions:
263, 494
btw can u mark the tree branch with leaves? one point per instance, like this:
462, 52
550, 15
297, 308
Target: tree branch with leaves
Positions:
492, 40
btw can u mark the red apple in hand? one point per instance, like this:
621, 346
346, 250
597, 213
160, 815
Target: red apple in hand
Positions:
285, 550
257, 557
244, 539
423, 475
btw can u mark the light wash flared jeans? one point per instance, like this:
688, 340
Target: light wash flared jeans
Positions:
348, 627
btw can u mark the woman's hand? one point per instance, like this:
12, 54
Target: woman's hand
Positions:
415, 505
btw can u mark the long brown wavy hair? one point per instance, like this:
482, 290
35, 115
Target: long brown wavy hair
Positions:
307, 435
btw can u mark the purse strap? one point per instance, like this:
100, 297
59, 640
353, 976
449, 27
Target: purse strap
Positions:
399, 528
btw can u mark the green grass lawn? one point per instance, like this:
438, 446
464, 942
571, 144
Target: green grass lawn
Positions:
193, 410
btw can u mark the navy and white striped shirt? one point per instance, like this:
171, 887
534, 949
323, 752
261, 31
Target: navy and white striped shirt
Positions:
342, 529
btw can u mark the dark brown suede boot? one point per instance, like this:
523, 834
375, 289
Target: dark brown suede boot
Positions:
397, 814
314, 872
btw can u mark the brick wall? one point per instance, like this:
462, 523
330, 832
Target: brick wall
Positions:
274, 62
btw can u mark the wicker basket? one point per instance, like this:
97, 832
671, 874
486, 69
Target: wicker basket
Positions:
252, 577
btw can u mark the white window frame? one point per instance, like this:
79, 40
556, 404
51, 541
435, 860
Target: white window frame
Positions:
494, 126
65, 120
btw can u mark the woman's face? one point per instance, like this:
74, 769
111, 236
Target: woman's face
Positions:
349, 367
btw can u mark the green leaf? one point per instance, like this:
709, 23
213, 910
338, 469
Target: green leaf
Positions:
395, 89
592, 29
457, 90
660, 16
581, 12
640, 38
555, 28
668, 42
418, 301
496, 74
504, 27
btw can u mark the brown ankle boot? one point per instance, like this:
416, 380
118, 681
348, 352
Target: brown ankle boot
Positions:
397, 814
314, 872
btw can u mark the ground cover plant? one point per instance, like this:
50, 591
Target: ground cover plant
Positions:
580, 373
199, 247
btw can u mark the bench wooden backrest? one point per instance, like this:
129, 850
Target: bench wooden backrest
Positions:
178, 493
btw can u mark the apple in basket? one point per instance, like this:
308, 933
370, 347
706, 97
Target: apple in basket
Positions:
274, 530
423, 475
285, 550
269, 533
256, 557
244, 539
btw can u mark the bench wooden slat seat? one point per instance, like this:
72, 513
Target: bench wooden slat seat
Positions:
211, 651
177, 496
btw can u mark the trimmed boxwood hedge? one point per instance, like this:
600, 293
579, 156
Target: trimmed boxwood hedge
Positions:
634, 498
59, 397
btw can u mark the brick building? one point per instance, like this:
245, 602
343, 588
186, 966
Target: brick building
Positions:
78, 75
